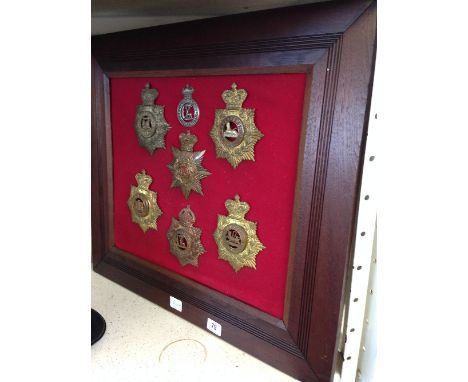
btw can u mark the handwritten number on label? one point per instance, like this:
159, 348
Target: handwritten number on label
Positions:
213, 327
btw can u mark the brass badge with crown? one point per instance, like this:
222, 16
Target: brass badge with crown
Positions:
186, 168
150, 125
143, 203
234, 132
236, 237
188, 111
184, 238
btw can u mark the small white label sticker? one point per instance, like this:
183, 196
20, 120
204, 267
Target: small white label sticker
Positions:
214, 327
175, 303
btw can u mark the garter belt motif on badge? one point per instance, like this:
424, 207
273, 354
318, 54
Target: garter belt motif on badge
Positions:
234, 132
184, 238
236, 237
143, 203
150, 125
186, 168
187, 110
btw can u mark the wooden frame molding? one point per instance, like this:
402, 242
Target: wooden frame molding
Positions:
334, 44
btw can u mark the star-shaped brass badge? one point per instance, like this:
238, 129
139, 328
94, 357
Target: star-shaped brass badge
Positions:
186, 168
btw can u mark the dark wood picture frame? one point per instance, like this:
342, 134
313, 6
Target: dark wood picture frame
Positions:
334, 43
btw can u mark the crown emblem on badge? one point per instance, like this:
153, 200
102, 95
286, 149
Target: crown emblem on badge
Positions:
148, 95
236, 208
187, 91
234, 98
187, 141
143, 180
186, 217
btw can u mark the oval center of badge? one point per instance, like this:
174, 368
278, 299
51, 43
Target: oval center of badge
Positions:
186, 170
232, 132
147, 125
141, 205
182, 240
188, 112
234, 238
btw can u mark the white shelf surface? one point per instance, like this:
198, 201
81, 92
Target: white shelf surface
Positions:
144, 342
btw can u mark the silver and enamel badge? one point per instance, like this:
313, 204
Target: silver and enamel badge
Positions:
187, 110
184, 238
150, 125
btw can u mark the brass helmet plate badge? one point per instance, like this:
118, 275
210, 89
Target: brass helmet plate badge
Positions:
237, 237
234, 132
186, 167
184, 238
143, 203
150, 125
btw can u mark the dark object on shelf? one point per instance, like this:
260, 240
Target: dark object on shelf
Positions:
98, 326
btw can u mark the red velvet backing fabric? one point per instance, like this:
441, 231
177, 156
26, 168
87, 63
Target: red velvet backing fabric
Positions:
268, 184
